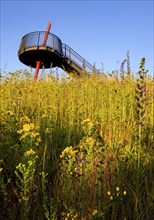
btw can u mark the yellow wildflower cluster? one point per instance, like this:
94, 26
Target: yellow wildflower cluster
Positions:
117, 193
94, 212
90, 141
86, 121
68, 150
27, 127
29, 132
87, 125
30, 152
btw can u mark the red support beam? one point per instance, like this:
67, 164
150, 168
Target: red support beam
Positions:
46, 33
38, 63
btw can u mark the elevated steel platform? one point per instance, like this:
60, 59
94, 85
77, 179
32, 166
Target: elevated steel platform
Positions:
53, 53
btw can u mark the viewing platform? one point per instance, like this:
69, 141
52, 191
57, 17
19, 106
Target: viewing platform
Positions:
53, 53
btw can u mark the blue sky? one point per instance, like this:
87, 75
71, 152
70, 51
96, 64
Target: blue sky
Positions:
100, 31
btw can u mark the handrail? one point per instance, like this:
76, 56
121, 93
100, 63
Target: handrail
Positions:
36, 39
69, 53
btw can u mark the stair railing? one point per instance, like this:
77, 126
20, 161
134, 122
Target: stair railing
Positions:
70, 54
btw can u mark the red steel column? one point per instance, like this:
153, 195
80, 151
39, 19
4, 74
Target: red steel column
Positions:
38, 63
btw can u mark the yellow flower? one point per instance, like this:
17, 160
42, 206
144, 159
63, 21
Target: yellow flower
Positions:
124, 193
1, 170
94, 212
47, 131
30, 152
26, 127
32, 126
68, 151
90, 141
109, 193
34, 134
111, 197
10, 113
117, 189
20, 131
86, 121
25, 135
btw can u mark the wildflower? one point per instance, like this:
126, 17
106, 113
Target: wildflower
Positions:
117, 189
124, 193
85, 121
34, 134
26, 127
141, 93
111, 197
78, 170
68, 151
141, 123
109, 193
32, 126
79, 159
138, 85
30, 152
10, 113
47, 131
94, 212
1, 170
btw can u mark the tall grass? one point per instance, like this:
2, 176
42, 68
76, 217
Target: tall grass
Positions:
77, 147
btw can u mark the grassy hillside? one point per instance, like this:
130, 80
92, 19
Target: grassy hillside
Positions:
77, 148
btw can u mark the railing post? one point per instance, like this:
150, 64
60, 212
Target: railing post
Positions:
53, 41
83, 68
38, 39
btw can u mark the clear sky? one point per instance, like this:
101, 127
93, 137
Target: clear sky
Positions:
100, 31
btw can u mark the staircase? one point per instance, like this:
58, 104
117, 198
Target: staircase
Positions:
73, 62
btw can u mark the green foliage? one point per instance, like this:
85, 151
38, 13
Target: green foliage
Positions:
25, 174
77, 148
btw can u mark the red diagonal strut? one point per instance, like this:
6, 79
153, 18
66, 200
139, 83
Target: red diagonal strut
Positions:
38, 63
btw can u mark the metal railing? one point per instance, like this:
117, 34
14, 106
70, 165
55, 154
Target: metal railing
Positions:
69, 53
35, 39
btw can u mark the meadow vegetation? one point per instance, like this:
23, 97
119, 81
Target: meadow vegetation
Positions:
77, 147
